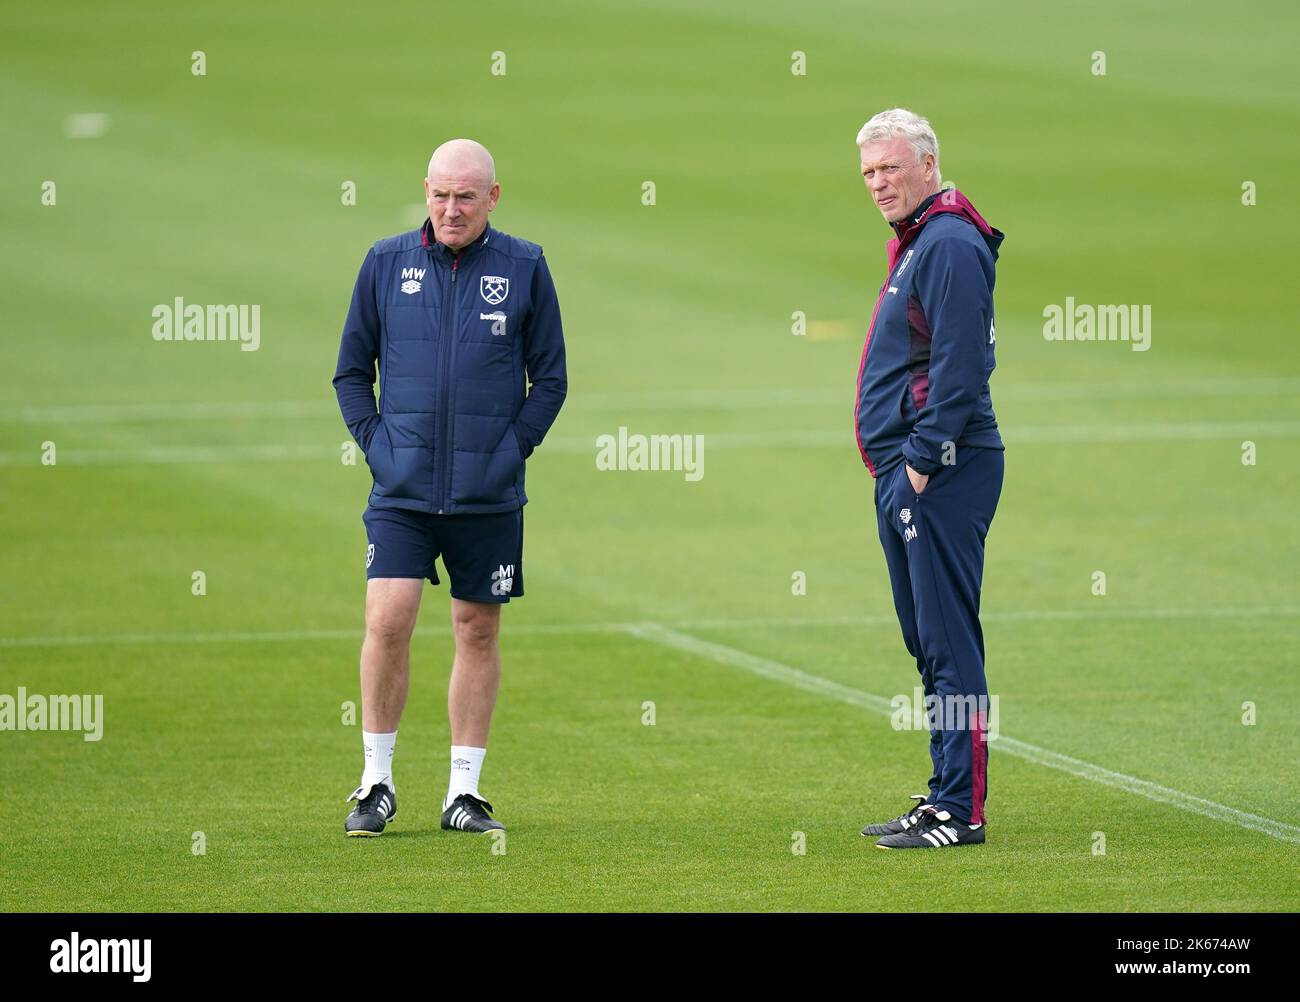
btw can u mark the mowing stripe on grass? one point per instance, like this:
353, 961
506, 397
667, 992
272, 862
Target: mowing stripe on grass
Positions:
272, 636
784, 674
579, 444
1007, 616
275, 636
699, 399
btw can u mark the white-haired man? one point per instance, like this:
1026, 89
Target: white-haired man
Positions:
459, 317
927, 433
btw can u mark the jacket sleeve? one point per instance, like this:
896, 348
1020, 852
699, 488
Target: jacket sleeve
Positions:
544, 363
354, 377
955, 287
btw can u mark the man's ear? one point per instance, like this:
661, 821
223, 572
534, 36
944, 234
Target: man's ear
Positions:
494, 194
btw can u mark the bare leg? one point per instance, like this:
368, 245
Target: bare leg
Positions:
475, 672
391, 608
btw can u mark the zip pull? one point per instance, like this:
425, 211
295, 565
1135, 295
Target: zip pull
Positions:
455, 263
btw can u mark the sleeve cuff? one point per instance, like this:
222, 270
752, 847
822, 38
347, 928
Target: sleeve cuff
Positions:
921, 465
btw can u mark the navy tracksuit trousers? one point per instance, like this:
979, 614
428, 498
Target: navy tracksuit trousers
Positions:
934, 547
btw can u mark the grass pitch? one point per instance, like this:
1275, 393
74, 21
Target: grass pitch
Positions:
223, 712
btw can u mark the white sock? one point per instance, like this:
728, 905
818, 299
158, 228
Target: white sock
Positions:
466, 764
379, 761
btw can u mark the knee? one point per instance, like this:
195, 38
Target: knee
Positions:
475, 627
388, 627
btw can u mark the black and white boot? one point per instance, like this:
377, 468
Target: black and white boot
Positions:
468, 813
934, 829
901, 823
373, 811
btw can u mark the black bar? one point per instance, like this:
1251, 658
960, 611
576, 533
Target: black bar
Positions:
883, 952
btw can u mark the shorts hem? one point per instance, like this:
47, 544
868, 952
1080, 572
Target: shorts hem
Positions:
488, 599
404, 577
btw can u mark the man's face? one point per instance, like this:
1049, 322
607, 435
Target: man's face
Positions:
459, 199
898, 184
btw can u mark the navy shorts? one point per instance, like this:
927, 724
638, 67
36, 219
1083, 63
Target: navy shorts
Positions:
482, 554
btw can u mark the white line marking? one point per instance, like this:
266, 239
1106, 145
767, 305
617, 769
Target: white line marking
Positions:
526, 629
1008, 616
270, 636
777, 672
786, 675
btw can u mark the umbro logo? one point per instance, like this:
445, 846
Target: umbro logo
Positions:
370, 555
413, 276
503, 579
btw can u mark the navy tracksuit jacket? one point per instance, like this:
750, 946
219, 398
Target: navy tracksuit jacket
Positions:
923, 400
458, 337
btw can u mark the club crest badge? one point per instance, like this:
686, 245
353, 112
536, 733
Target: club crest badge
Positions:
494, 289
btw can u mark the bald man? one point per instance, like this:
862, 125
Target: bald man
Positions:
463, 324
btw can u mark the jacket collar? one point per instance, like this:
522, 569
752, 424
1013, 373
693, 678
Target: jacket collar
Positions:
914, 220
442, 251
945, 200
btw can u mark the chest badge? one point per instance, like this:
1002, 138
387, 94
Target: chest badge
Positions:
494, 289
413, 277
